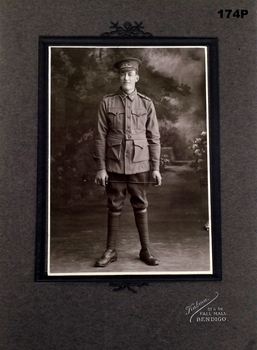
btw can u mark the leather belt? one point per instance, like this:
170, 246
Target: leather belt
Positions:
127, 137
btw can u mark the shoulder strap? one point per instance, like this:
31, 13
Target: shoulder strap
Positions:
109, 95
143, 96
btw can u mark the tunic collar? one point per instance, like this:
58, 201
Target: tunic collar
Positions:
131, 96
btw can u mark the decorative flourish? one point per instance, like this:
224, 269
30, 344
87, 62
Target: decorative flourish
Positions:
128, 30
128, 286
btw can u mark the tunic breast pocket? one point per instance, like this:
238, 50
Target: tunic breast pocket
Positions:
139, 118
115, 118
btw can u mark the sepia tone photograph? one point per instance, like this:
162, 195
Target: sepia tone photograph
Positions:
128, 178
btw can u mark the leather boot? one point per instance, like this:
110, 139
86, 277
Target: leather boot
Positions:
108, 256
142, 226
110, 253
148, 258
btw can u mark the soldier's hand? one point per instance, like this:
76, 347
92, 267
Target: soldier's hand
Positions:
101, 178
157, 178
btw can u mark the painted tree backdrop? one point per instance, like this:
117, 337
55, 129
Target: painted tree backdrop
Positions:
174, 78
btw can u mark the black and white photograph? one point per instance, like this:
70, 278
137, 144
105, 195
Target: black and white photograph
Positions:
128, 177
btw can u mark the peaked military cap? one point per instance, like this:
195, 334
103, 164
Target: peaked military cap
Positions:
127, 64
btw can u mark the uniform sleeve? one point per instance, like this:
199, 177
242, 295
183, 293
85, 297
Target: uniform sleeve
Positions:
153, 137
100, 137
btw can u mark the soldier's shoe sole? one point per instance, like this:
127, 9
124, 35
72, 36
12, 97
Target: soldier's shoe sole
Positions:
97, 264
150, 263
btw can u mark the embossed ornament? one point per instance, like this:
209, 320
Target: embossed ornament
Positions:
127, 30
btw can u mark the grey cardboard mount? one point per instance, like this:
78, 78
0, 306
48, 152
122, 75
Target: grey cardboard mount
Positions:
76, 315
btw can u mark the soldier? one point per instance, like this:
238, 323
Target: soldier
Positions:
127, 154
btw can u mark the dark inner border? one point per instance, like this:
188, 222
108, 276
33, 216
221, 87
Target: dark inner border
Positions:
41, 229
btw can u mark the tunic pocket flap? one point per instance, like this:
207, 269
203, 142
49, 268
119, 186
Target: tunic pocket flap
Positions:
115, 111
139, 112
141, 143
114, 142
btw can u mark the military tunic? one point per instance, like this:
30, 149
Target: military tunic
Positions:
127, 139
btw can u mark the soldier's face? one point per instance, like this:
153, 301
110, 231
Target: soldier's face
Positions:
128, 81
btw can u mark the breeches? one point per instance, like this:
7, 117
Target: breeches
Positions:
136, 185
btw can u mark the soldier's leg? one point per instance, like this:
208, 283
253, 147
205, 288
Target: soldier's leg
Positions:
112, 228
141, 220
116, 192
139, 202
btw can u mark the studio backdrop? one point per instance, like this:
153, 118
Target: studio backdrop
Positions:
180, 76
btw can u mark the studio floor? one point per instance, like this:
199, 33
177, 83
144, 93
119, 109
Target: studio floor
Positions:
176, 224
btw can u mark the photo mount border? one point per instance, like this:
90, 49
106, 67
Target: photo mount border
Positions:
42, 163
